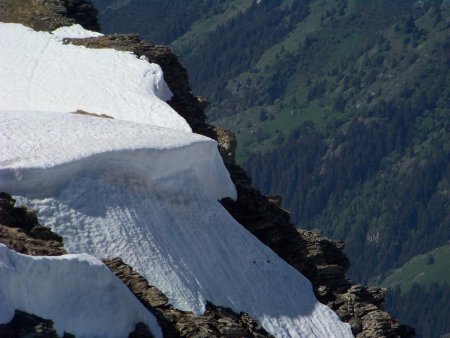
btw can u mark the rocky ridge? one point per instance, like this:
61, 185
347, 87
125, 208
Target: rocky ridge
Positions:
319, 259
48, 15
20, 231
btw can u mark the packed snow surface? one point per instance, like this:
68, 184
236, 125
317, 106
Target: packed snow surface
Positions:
78, 292
40, 150
149, 195
39, 73
75, 31
136, 190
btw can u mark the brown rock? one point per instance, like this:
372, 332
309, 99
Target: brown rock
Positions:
216, 322
83, 112
47, 15
28, 325
227, 143
141, 331
20, 230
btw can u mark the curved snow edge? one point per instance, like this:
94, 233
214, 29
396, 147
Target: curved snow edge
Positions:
153, 165
53, 76
93, 302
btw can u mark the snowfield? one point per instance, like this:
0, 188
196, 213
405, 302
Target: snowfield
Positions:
146, 192
47, 149
59, 287
38, 73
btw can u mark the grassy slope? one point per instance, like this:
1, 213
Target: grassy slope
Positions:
420, 270
340, 38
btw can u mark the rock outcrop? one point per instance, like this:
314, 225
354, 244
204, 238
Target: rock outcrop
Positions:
215, 322
27, 325
20, 230
47, 15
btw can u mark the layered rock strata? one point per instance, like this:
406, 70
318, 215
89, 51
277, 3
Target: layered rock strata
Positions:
47, 15
20, 231
215, 322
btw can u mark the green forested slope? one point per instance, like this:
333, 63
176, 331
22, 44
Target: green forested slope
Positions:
341, 106
166, 22
426, 308
423, 280
371, 165
424, 270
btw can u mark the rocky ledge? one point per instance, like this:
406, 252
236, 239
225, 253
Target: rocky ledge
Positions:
47, 15
20, 231
215, 322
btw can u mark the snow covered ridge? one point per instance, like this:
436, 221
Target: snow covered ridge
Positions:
39, 73
149, 195
41, 150
144, 190
78, 292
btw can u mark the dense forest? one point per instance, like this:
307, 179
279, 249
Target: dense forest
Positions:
432, 313
381, 182
340, 106
160, 20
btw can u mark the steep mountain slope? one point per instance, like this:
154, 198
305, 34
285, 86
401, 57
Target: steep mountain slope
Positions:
320, 259
340, 106
425, 270
433, 313
112, 187
424, 279
187, 22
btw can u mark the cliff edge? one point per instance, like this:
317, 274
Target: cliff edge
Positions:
319, 259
